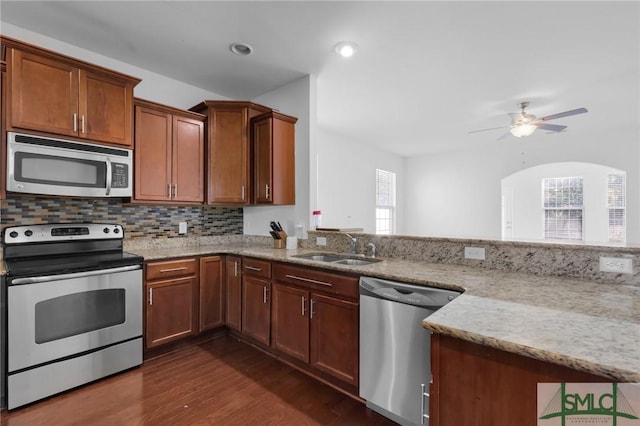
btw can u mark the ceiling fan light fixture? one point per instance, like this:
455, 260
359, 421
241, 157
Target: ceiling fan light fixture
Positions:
346, 49
241, 49
522, 130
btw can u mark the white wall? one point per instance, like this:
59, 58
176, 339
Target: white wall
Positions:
458, 193
524, 189
346, 181
153, 87
297, 99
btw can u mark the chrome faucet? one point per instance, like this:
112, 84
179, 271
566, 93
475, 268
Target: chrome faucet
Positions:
352, 245
373, 249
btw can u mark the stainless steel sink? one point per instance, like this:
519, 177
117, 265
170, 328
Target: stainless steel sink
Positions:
339, 259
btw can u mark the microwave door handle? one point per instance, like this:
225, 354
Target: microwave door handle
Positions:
108, 176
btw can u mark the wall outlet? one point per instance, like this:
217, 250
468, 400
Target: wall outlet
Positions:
476, 253
620, 265
321, 241
182, 228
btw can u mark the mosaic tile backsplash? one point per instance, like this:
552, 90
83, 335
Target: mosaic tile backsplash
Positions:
139, 221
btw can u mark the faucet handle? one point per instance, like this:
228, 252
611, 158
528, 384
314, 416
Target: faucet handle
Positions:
373, 249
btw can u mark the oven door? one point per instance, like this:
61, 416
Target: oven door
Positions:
65, 315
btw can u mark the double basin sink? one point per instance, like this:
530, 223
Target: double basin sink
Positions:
338, 259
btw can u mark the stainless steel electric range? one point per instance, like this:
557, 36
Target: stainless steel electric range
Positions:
73, 308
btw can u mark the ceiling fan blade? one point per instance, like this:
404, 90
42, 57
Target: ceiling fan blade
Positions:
504, 136
491, 128
551, 127
564, 114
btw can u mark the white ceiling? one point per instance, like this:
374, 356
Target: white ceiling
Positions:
426, 72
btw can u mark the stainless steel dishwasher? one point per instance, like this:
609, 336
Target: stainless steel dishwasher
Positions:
395, 367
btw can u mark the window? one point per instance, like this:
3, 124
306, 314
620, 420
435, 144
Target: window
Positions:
616, 204
563, 208
385, 202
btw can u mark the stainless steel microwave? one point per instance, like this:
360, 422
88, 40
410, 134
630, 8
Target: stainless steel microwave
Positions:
42, 165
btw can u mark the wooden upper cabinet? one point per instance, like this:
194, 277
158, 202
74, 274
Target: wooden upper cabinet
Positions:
228, 165
106, 108
169, 154
56, 94
3, 134
273, 136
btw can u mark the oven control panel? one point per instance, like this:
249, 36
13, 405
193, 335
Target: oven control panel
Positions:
61, 232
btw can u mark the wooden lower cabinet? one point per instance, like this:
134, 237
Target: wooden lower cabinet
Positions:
315, 319
256, 308
233, 292
290, 321
171, 300
475, 385
170, 310
334, 337
211, 303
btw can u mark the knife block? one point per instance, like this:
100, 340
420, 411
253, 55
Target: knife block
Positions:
281, 242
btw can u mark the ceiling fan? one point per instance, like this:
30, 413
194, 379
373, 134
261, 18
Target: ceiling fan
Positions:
524, 124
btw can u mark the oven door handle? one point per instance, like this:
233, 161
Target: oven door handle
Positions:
46, 278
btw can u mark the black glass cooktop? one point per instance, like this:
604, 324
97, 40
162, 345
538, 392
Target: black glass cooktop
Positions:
69, 263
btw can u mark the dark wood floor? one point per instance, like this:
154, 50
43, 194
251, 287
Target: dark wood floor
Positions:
219, 382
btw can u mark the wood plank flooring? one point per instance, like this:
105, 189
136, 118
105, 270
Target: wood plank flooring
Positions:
218, 382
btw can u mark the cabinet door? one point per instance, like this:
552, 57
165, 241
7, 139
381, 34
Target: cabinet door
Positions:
228, 169
273, 138
188, 159
170, 310
105, 108
263, 187
152, 155
256, 311
3, 134
334, 337
290, 321
233, 290
44, 93
211, 310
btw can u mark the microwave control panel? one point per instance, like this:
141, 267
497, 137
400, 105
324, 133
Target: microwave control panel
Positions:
119, 175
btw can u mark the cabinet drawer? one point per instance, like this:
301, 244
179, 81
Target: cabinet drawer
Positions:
256, 267
315, 279
171, 268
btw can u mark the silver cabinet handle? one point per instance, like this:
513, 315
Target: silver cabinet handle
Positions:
266, 191
252, 268
175, 190
242, 190
303, 305
162, 271
307, 280
75, 122
169, 186
151, 297
83, 125
235, 268
311, 303
265, 290
423, 394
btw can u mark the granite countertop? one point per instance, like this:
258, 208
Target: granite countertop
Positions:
586, 325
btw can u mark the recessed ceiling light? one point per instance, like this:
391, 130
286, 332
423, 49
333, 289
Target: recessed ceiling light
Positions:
346, 49
241, 49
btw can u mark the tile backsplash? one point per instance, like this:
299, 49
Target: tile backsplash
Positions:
139, 221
